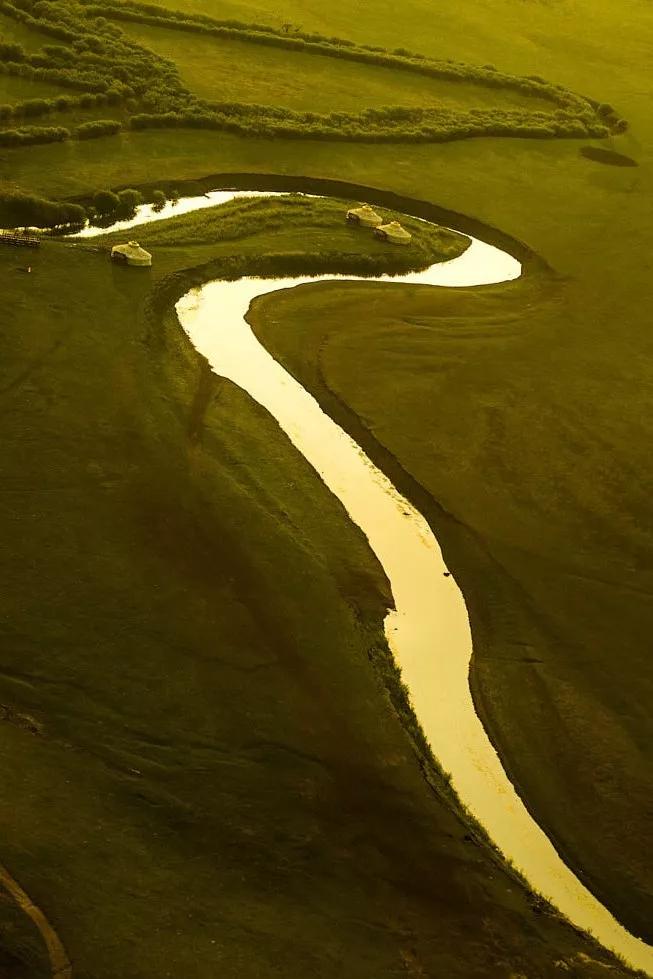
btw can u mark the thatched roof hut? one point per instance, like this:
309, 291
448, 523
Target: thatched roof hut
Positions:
131, 254
393, 232
364, 215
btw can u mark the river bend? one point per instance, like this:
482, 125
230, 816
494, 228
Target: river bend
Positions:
428, 631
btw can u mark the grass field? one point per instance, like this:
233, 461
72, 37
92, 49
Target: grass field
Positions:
518, 35
207, 746
18, 89
13, 32
234, 70
161, 532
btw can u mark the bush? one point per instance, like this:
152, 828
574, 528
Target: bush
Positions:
18, 209
101, 127
105, 202
128, 201
158, 200
99, 60
72, 214
29, 135
34, 107
11, 52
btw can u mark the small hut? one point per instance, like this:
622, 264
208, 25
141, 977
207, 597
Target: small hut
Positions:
393, 232
364, 215
131, 254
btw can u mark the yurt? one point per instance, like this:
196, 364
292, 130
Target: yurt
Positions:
364, 215
393, 232
131, 254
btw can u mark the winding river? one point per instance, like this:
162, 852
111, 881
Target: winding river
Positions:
428, 630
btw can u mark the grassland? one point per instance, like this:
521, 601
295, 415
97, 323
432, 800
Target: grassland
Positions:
141, 622
521, 36
524, 417
19, 89
198, 779
235, 70
11, 31
103, 61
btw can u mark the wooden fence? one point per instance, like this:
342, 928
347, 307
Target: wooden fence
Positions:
19, 240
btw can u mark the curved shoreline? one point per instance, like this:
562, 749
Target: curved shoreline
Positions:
279, 183
571, 897
437, 516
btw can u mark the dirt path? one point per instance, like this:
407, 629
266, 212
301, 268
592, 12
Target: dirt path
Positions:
59, 961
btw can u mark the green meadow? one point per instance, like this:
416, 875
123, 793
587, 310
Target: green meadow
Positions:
206, 762
232, 69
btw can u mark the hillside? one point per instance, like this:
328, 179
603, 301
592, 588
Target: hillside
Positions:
199, 779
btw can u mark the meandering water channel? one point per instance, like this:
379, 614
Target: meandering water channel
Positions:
428, 630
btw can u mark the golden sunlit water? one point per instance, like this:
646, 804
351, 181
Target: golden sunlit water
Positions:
428, 631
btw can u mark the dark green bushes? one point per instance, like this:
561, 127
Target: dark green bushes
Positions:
30, 135
19, 210
11, 52
109, 68
390, 124
101, 127
95, 58
105, 202
332, 47
128, 201
158, 200
120, 205
35, 107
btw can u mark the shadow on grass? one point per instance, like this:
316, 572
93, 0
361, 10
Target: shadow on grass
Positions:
610, 157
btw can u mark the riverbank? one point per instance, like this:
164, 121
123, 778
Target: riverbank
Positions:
272, 225
443, 369
216, 705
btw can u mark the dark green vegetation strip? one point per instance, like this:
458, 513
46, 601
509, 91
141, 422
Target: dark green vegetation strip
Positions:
95, 56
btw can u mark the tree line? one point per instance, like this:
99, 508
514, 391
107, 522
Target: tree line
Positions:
94, 56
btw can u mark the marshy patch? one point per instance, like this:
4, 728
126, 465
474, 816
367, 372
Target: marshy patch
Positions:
610, 157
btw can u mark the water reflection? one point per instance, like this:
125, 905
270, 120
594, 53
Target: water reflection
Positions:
428, 631
147, 213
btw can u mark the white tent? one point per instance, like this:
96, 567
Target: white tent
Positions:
364, 215
393, 232
131, 254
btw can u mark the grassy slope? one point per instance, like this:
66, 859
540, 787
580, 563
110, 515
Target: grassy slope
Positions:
590, 222
14, 90
559, 39
526, 421
210, 784
12, 31
225, 70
